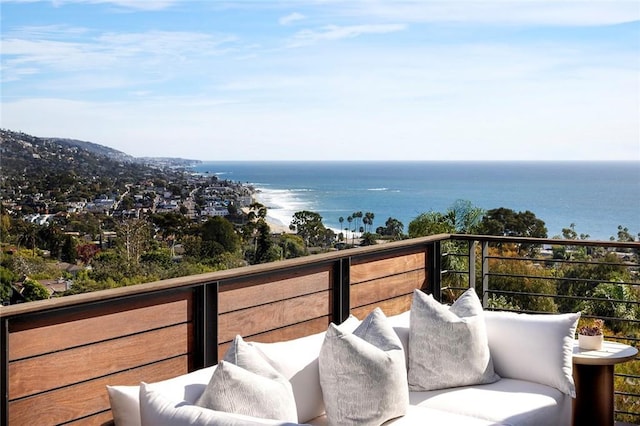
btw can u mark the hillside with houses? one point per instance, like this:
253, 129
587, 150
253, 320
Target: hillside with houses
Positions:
77, 216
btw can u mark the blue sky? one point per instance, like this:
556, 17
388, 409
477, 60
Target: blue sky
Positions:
328, 80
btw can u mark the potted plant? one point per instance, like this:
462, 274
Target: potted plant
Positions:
590, 336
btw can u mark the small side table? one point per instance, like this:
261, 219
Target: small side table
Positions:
593, 376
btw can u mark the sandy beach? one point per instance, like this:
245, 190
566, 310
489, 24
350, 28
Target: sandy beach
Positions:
277, 227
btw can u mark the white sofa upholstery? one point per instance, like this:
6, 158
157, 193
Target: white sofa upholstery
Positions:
508, 401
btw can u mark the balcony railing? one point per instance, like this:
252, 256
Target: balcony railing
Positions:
58, 355
600, 279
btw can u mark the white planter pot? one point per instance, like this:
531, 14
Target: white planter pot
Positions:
593, 343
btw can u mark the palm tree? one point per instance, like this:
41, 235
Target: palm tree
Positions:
368, 221
357, 216
350, 219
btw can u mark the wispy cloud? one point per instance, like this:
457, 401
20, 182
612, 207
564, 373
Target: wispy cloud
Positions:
497, 12
148, 5
291, 18
335, 32
43, 50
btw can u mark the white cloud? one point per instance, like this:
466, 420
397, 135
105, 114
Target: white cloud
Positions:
335, 32
291, 18
501, 12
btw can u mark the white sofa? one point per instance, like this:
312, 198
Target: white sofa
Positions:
531, 354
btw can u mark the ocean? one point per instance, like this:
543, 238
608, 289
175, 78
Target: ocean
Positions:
595, 196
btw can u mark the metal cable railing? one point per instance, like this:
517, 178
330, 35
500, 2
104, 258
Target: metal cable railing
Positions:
602, 280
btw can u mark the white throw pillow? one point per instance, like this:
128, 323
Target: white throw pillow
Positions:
297, 360
534, 347
363, 374
125, 402
448, 345
158, 410
245, 383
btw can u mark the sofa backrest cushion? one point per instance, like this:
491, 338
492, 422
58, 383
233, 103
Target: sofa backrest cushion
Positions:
448, 345
297, 360
363, 374
534, 347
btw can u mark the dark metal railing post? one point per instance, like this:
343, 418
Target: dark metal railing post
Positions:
4, 374
485, 274
434, 269
472, 263
206, 325
341, 290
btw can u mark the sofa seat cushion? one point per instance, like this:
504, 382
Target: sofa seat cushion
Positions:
507, 401
419, 416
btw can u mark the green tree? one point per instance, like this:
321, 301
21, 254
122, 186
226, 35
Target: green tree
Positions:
368, 221
508, 223
7, 278
464, 216
292, 246
33, 290
69, 251
392, 228
369, 239
134, 236
264, 252
308, 225
430, 223
218, 233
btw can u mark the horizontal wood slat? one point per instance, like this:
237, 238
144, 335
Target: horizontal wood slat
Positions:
387, 267
46, 372
85, 399
101, 419
390, 307
386, 288
306, 328
55, 337
244, 297
260, 319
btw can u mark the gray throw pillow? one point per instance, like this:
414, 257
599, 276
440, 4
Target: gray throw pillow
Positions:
448, 346
245, 383
363, 374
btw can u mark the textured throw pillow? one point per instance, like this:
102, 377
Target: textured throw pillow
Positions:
534, 347
156, 409
363, 374
245, 383
448, 345
297, 360
125, 403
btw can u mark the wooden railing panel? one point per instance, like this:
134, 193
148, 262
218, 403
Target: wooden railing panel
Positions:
259, 319
233, 298
101, 419
42, 373
49, 337
306, 328
387, 266
390, 307
381, 289
88, 398
62, 353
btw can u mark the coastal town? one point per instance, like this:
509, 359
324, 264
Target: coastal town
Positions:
66, 203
